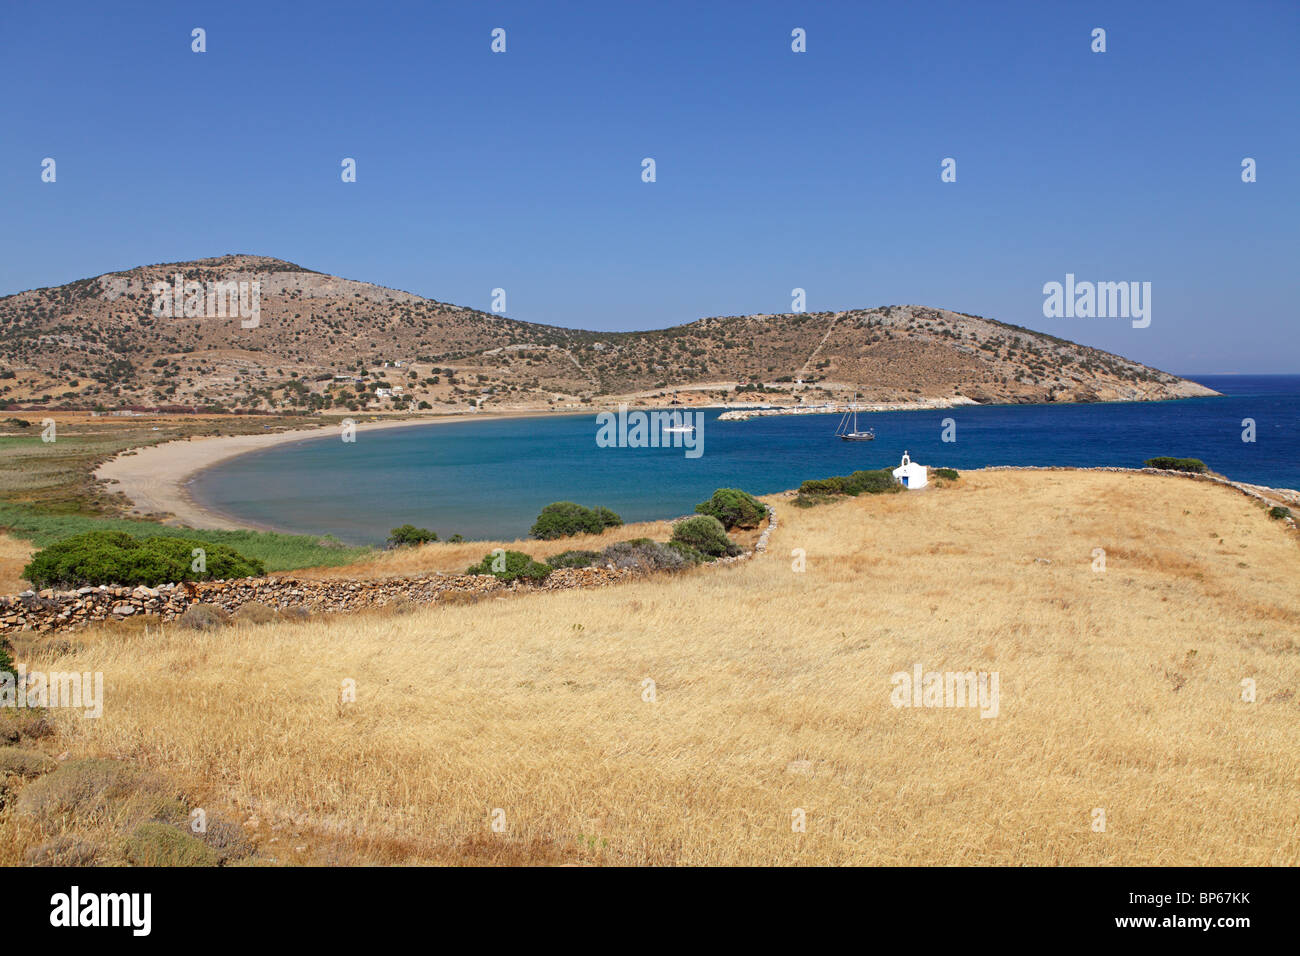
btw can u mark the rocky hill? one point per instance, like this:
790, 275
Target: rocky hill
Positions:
320, 342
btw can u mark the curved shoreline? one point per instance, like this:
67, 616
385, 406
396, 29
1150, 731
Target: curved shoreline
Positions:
156, 478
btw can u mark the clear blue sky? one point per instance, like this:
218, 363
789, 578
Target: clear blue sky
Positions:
775, 170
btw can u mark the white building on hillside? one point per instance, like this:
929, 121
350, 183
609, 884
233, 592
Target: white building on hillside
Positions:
911, 474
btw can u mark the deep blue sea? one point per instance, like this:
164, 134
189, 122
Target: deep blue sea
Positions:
489, 479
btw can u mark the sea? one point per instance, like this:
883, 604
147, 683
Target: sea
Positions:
488, 479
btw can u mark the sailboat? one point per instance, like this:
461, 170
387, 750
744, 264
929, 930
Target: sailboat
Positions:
854, 435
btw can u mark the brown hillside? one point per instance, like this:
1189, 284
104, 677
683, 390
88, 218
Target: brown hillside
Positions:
322, 342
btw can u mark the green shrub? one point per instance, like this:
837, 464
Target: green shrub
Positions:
871, 482
1279, 512
114, 557
692, 555
949, 473
1177, 464
734, 508
878, 481
822, 486
7, 665
157, 844
563, 519
706, 535
573, 559
802, 500
408, 535
510, 566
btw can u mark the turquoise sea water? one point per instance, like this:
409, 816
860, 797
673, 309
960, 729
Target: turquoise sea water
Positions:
488, 479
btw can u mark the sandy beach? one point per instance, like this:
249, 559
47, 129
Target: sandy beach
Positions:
156, 478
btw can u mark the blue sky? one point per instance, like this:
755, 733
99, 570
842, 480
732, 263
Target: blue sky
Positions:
775, 170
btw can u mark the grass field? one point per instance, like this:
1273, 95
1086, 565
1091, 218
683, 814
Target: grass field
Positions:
1120, 690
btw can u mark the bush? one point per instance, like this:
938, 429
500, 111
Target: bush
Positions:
114, 557
563, 519
254, 613
879, 481
21, 762
706, 535
734, 508
65, 850
510, 566
1279, 512
1177, 464
573, 559
949, 473
802, 500
873, 482
157, 844
408, 535
822, 486
90, 789
204, 617
691, 555
6, 662
643, 555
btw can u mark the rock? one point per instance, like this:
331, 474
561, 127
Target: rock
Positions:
123, 610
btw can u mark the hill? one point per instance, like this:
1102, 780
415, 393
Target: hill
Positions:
321, 341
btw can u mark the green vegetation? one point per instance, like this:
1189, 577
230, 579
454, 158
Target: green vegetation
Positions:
158, 844
563, 519
408, 535
279, 552
949, 474
111, 557
819, 491
734, 508
510, 566
706, 535
1277, 511
573, 559
6, 662
878, 481
1194, 465
644, 554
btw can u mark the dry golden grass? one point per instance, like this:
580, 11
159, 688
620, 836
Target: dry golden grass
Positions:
1119, 690
14, 556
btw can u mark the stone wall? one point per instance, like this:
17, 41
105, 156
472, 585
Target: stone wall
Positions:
58, 610
51, 610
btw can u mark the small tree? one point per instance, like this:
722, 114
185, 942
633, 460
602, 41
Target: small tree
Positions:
562, 519
1177, 464
408, 535
734, 508
706, 535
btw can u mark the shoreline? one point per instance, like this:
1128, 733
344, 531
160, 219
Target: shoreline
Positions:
156, 478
